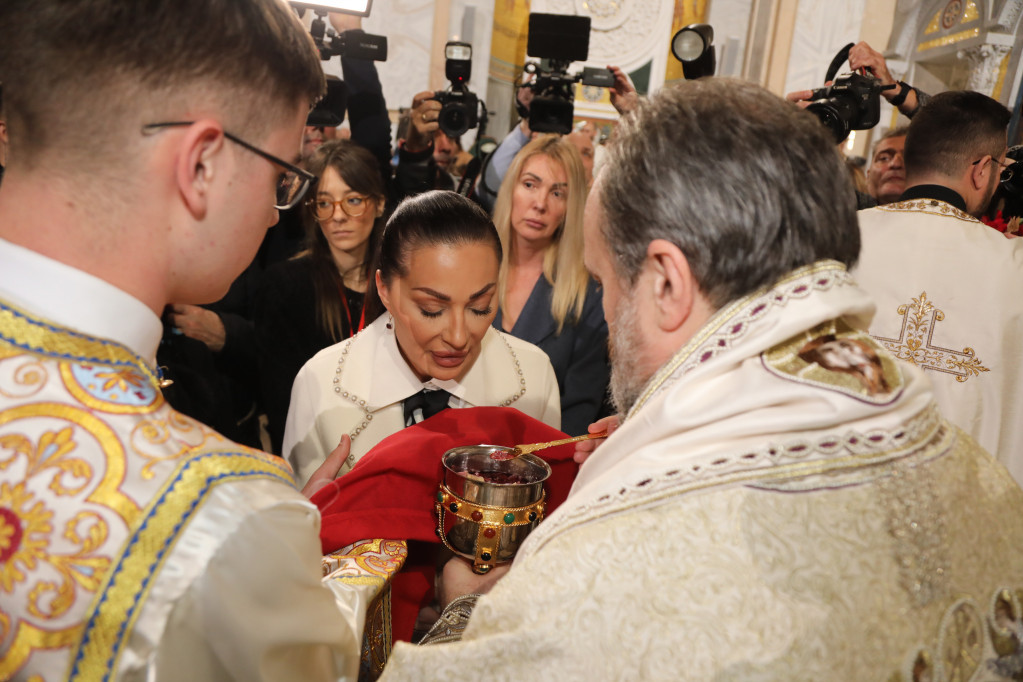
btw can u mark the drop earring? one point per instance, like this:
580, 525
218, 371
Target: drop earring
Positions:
390, 322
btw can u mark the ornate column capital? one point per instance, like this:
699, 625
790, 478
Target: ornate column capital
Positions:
985, 64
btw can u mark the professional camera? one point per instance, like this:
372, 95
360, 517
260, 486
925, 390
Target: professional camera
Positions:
852, 102
459, 107
558, 40
353, 44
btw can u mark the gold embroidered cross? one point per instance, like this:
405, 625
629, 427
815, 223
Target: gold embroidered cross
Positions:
914, 343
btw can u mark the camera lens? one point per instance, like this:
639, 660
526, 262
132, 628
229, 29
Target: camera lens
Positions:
835, 118
453, 120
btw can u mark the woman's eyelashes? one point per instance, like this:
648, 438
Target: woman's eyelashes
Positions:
475, 311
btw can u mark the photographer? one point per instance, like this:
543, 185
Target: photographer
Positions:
624, 98
427, 154
903, 97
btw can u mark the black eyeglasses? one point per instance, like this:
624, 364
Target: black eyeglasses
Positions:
1003, 164
292, 183
1007, 167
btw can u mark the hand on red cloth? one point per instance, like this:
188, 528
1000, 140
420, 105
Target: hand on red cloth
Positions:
390, 491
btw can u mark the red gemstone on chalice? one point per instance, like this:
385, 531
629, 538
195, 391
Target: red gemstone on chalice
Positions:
477, 515
488, 533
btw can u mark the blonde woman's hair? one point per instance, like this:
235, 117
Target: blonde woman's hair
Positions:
563, 260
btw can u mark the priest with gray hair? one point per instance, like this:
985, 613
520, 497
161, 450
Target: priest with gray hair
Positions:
760, 512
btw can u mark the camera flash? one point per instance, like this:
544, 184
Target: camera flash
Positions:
459, 51
687, 45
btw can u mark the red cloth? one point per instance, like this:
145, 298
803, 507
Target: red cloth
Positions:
390, 492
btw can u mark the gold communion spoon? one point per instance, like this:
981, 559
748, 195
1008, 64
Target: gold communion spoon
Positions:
533, 447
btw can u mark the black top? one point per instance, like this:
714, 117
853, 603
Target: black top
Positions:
288, 334
939, 192
579, 354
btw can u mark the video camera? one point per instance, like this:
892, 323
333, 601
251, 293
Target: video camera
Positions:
558, 40
851, 102
330, 110
459, 106
353, 44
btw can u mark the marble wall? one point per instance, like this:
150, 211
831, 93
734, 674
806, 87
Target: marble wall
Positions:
821, 30
730, 20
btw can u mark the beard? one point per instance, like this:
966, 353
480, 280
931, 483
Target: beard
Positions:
992, 187
627, 376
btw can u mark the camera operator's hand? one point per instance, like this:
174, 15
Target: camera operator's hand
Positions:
423, 117
624, 97
862, 56
344, 22
801, 98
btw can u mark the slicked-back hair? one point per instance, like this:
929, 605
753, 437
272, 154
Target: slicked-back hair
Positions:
80, 76
430, 219
952, 131
745, 184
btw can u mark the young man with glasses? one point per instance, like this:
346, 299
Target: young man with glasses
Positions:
151, 145
944, 282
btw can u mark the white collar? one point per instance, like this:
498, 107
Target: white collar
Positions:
400, 381
77, 300
384, 378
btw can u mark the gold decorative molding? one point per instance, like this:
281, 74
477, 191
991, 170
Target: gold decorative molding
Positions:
949, 39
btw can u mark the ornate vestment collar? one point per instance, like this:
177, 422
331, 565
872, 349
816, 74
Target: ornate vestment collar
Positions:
781, 384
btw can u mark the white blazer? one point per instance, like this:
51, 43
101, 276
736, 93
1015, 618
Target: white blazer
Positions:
357, 387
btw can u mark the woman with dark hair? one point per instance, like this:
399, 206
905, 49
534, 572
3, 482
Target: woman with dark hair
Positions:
436, 276
317, 298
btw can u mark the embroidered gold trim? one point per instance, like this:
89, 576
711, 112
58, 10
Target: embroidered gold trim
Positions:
112, 616
107, 493
968, 639
124, 379
34, 335
929, 206
837, 357
452, 623
734, 320
795, 465
915, 343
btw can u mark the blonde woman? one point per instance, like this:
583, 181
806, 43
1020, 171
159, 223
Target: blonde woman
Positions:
546, 296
